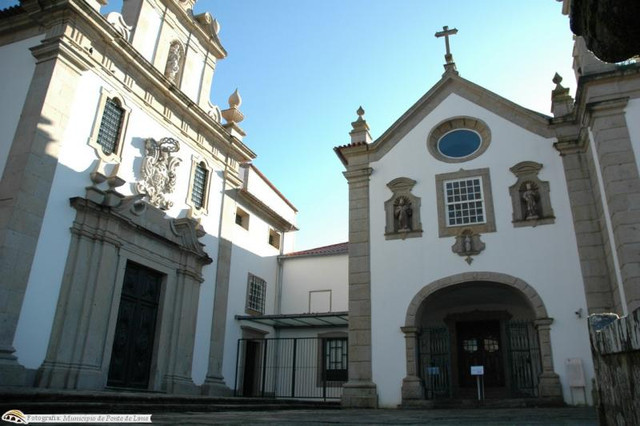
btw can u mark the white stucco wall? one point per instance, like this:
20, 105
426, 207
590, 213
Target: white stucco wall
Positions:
545, 256
256, 185
17, 65
146, 27
314, 273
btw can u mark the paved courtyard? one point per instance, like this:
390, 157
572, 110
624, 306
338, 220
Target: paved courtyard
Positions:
520, 416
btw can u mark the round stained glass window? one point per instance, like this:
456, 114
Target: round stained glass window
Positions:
459, 143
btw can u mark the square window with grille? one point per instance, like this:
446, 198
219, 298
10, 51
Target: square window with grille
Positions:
464, 202
256, 291
335, 359
110, 126
199, 187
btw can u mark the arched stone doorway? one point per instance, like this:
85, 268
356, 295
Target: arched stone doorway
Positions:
481, 318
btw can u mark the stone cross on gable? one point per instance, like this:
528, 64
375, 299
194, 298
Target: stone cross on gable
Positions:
446, 32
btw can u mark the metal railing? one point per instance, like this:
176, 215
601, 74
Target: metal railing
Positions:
286, 368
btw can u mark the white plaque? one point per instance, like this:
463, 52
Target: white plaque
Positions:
575, 373
477, 370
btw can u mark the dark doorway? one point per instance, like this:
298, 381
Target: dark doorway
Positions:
251, 381
479, 343
135, 329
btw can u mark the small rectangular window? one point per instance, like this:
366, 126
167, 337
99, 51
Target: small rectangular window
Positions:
464, 201
256, 291
110, 126
335, 359
198, 191
242, 218
274, 238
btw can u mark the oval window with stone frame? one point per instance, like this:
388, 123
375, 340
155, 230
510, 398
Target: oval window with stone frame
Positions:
459, 143
459, 139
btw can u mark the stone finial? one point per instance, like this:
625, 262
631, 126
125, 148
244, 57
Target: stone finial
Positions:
234, 116
235, 100
360, 132
561, 100
557, 79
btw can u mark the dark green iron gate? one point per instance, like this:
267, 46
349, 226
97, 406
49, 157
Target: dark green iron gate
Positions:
523, 353
524, 358
435, 362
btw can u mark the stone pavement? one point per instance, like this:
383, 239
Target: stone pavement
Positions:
584, 416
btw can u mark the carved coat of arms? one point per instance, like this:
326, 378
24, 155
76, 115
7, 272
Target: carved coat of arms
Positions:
158, 171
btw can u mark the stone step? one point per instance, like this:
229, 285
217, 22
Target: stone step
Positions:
56, 402
486, 403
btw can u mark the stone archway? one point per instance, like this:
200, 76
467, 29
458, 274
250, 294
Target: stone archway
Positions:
549, 382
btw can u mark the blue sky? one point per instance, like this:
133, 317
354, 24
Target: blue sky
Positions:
303, 67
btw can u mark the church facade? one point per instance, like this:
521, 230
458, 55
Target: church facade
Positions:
142, 250
482, 235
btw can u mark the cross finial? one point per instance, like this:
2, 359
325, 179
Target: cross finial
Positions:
446, 32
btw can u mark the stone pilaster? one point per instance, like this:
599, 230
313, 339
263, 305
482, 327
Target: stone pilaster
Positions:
583, 190
359, 391
621, 182
28, 176
180, 350
214, 383
412, 384
549, 382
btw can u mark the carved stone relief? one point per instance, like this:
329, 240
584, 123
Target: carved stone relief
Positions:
158, 171
402, 211
468, 244
530, 196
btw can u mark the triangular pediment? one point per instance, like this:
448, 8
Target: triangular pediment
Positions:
454, 84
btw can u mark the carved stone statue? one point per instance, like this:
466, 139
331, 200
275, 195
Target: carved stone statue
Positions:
158, 171
403, 212
468, 244
530, 197
174, 61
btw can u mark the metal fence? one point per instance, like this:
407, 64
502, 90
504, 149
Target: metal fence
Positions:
291, 367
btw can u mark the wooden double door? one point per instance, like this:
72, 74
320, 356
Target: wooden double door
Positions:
480, 344
133, 343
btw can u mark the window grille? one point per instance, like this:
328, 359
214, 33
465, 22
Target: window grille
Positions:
110, 126
464, 201
198, 190
335, 359
256, 294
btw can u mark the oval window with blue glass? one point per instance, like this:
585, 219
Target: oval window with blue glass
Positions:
459, 143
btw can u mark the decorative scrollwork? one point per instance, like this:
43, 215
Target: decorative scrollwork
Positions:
158, 171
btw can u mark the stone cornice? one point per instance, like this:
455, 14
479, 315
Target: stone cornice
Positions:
179, 233
358, 175
279, 222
